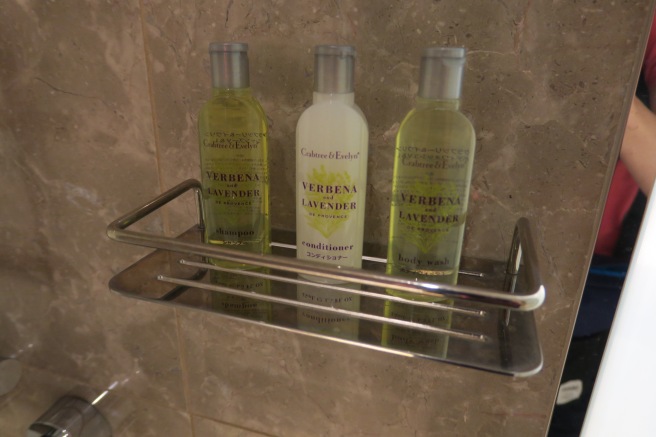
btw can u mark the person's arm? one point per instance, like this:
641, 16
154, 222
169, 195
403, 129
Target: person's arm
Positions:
639, 145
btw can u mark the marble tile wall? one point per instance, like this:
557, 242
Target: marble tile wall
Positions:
98, 105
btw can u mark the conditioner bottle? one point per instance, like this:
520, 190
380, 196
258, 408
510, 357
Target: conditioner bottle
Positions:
433, 162
331, 181
331, 164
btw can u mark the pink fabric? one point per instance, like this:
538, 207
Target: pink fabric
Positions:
623, 191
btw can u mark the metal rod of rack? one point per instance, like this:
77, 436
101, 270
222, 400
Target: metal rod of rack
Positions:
432, 305
528, 300
338, 311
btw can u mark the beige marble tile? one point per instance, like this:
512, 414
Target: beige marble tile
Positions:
80, 150
208, 428
288, 385
127, 417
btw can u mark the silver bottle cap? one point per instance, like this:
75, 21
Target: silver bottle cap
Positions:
229, 63
441, 73
333, 69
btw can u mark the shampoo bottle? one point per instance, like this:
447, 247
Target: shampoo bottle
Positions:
233, 154
235, 177
433, 162
331, 165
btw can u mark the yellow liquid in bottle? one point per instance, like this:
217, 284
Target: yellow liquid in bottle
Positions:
235, 175
432, 173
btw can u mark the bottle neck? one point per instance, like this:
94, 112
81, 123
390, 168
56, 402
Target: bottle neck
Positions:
231, 92
440, 76
348, 98
229, 65
446, 104
333, 69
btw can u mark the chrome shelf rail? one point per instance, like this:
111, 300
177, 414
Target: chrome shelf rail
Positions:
485, 322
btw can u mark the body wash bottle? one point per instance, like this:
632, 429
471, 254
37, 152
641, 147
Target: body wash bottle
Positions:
233, 154
331, 165
433, 162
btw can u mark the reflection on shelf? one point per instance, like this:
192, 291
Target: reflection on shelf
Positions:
252, 309
322, 322
432, 343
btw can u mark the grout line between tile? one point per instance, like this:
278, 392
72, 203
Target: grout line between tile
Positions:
151, 96
166, 225
211, 419
182, 352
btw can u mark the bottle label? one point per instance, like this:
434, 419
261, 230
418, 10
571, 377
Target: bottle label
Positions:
429, 208
427, 211
235, 184
331, 185
442, 158
330, 205
233, 140
329, 199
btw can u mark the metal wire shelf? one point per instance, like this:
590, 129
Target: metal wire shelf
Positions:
485, 322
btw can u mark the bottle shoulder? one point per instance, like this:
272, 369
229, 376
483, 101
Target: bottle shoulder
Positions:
221, 108
433, 128
328, 111
451, 116
247, 101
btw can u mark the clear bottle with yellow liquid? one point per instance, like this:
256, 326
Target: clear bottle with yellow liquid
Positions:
233, 141
433, 162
